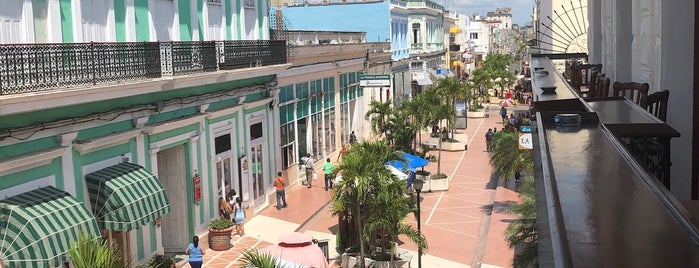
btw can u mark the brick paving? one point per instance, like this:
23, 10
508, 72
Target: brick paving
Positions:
464, 225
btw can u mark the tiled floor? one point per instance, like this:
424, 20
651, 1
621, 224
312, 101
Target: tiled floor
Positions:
459, 231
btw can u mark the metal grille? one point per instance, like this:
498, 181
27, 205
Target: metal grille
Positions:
253, 53
180, 58
36, 67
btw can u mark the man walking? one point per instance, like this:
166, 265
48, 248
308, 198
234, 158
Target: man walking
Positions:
489, 139
328, 170
279, 184
308, 164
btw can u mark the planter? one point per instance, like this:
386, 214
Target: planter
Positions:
439, 185
350, 260
476, 114
220, 240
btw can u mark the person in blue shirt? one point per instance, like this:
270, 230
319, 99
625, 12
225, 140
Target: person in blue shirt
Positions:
196, 253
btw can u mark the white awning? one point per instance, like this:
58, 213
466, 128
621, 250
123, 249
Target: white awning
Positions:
424, 81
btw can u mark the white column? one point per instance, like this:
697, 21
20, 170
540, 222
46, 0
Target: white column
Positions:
130, 21
193, 163
67, 166
154, 169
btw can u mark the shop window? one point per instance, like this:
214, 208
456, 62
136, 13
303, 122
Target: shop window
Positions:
222, 143
256, 131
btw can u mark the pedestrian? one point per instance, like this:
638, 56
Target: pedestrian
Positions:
344, 151
195, 252
328, 170
503, 114
308, 164
352, 138
232, 195
279, 184
224, 209
489, 139
239, 216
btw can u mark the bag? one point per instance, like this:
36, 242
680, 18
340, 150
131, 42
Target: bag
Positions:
315, 176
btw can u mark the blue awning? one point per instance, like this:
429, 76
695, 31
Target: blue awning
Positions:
413, 162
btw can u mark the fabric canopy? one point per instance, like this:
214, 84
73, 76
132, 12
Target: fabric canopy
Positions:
297, 250
424, 82
413, 162
126, 196
398, 173
38, 228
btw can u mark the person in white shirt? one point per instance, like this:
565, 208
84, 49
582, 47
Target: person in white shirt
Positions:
307, 163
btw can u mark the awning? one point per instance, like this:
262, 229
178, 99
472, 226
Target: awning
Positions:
37, 228
413, 162
424, 81
126, 196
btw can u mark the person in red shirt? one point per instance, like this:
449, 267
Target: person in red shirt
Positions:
280, 184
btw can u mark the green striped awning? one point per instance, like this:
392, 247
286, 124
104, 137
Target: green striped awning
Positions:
37, 228
126, 196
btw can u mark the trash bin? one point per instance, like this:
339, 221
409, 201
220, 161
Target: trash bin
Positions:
323, 245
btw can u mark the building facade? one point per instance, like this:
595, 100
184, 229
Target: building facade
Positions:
132, 96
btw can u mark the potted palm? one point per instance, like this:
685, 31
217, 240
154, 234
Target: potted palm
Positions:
220, 234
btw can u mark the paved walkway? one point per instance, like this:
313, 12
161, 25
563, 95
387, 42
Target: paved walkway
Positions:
464, 226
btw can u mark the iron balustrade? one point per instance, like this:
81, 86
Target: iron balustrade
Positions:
37, 67
28, 68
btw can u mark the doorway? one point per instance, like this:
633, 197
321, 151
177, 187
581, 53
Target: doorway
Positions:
171, 172
257, 163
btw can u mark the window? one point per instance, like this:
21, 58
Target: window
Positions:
288, 141
330, 130
473, 36
416, 33
317, 138
256, 131
214, 2
222, 143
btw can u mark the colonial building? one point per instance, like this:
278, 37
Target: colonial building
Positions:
132, 118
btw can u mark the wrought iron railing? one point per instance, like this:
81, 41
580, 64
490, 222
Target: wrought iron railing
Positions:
39, 67
253, 53
180, 58
36, 67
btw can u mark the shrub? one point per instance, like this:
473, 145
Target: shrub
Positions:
220, 224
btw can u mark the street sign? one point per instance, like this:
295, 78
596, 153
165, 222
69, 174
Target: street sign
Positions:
525, 129
375, 80
525, 141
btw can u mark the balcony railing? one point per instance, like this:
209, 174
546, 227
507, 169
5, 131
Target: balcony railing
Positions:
38, 67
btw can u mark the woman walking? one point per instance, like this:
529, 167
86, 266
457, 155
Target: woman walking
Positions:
239, 216
196, 253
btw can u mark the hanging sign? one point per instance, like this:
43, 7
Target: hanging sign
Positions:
197, 188
525, 141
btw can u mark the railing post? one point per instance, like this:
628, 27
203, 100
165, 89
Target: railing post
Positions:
92, 62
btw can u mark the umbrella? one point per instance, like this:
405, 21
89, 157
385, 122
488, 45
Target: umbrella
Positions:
413, 161
506, 103
297, 250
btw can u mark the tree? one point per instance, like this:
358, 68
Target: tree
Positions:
451, 90
521, 234
438, 111
418, 110
506, 158
401, 131
379, 113
252, 257
367, 190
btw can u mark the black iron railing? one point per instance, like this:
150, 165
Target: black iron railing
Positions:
253, 53
36, 67
39, 67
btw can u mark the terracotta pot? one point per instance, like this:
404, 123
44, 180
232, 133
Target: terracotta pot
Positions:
220, 240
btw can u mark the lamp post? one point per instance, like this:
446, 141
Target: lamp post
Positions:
417, 185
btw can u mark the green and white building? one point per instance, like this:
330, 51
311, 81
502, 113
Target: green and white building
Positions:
128, 119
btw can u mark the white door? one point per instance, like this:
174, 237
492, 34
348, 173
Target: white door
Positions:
258, 176
163, 20
94, 20
171, 170
11, 26
215, 20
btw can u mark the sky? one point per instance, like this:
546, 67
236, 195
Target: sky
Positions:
521, 9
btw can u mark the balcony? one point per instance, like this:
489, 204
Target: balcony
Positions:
28, 68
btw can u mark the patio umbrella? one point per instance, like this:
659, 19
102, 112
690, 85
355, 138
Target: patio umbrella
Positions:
297, 250
398, 173
506, 103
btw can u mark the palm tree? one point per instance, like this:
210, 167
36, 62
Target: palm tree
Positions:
481, 79
401, 131
252, 257
506, 158
89, 252
438, 111
451, 90
372, 195
522, 234
419, 110
379, 113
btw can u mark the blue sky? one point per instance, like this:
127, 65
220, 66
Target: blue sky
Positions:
521, 9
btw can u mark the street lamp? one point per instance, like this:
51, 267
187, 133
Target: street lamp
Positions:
417, 185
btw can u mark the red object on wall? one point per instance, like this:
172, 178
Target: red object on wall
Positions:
197, 188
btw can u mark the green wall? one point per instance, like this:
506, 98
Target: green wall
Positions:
142, 20
66, 21
120, 20
185, 13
